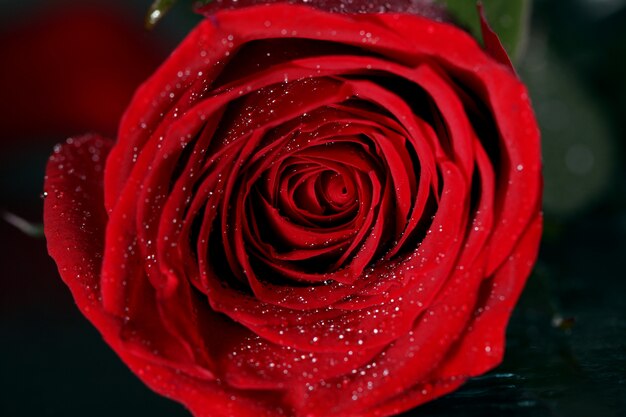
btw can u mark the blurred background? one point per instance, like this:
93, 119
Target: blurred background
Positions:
71, 66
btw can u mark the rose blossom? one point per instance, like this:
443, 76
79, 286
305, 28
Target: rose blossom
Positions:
305, 214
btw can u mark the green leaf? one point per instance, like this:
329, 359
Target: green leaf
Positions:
508, 18
28, 228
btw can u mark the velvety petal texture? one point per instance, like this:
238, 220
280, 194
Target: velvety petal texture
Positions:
305, 214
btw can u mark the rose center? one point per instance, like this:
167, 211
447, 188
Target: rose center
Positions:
333, 191
325, 192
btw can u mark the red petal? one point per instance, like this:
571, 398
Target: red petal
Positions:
493, 46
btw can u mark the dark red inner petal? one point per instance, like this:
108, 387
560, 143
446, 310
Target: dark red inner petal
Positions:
419, 7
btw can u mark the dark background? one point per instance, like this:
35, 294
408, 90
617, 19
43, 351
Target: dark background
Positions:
67, 67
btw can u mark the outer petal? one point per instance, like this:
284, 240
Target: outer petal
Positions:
75, 219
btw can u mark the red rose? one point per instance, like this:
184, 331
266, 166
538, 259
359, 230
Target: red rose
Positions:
305, 214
